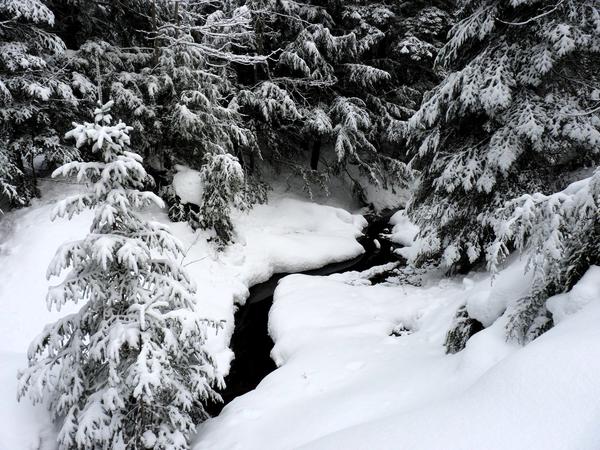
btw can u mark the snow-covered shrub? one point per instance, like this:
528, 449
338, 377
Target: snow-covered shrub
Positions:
129, 369
205, 199
223, 181
463, 327
561, 233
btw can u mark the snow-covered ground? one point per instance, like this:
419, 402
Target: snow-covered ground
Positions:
345, 382
289, 234
360, 367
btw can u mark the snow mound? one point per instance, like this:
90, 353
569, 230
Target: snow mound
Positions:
188, 185
491, 300
543, 396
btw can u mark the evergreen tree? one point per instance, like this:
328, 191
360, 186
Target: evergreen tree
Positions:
122, 23
175, 74
34, 92
129, 369
517, 114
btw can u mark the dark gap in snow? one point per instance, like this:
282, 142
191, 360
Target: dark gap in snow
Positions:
251, 342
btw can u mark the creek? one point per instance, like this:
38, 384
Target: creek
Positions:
251, 342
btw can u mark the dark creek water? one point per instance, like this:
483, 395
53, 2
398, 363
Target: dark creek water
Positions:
251, 342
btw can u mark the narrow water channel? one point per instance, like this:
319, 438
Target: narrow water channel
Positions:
251, 342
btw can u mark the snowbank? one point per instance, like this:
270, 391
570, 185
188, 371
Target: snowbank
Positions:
28, 241
346, 382
286, 235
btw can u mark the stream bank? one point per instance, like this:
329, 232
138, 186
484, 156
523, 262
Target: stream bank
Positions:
251, 342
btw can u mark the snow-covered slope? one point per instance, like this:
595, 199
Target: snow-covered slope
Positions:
346, 382
288, 234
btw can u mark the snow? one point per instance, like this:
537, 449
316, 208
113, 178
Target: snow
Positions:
345, 382
583, 293
28, 241
403, 231
541, 397
22, 426
289, 234
188, 185
382, 198
488, 302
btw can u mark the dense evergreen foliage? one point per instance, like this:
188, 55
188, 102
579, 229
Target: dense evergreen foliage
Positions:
516, 115
35, 95
320, 89
344, 76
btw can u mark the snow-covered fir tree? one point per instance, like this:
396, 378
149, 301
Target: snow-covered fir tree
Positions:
201, 117
516, 115
34, 92
129, 369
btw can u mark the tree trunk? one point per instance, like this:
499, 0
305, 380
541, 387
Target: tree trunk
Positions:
315, 154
